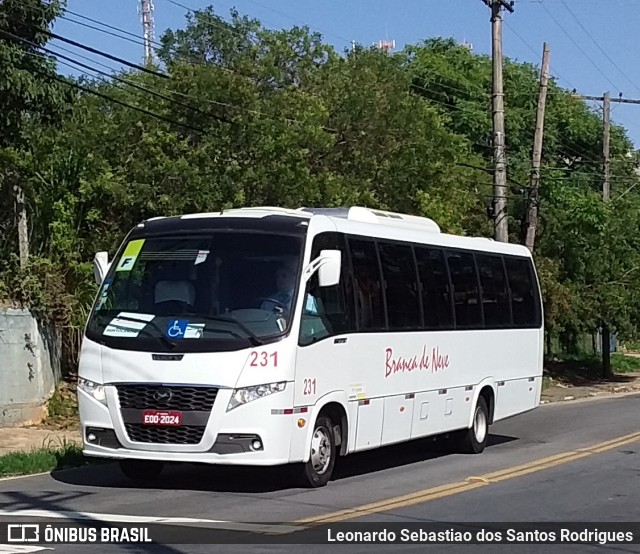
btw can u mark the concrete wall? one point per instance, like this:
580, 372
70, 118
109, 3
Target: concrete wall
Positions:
29, 368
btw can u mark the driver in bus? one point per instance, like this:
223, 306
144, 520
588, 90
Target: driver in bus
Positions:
282, 298
285, 286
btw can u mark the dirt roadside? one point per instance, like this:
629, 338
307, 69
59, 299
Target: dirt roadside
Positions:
560, 391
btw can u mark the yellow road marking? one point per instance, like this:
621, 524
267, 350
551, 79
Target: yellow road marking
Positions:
471, 483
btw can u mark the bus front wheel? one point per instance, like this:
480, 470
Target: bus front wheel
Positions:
317, 471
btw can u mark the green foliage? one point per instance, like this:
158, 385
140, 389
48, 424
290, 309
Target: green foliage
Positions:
285, 120
625, 364
62, 408
50, 457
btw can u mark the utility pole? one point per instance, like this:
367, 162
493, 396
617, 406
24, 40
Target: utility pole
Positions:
148, 29
532, 210
606, 120
606, 193
606, 135
23, 228
501, 224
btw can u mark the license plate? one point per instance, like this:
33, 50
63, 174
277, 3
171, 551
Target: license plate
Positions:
157, 417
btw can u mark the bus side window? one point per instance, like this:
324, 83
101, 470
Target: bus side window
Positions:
466, 297
436, 291
364, 257
495, 296
524, 304
327, 311
401, 287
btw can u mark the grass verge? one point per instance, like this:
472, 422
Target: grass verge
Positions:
50, 457
625, 364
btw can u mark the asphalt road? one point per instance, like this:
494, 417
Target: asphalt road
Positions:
562, 462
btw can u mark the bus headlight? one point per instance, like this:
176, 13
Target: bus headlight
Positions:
249, 394
93, 389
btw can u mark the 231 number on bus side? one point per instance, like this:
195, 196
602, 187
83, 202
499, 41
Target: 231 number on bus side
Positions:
309, 387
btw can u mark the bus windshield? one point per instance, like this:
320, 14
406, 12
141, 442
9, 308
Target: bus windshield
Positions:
200, 292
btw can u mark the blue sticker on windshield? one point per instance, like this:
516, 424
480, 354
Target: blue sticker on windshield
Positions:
103, 295
176, 328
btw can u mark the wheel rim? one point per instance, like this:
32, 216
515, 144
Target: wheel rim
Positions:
480, 425
320, 450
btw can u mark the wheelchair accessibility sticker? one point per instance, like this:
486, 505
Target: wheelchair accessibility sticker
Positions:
182, 329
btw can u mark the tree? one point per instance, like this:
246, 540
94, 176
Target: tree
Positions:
28, 97
249, 116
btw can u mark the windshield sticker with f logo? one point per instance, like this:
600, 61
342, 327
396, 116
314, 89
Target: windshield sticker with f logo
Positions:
130, 255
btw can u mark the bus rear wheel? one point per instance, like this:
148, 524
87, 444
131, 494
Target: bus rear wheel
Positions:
322, 458
474, 439
141, 471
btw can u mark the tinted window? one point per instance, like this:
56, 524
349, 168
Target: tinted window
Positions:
436, 292
495, 295
401, 287
213, 283
466, 297
524, 296
368, 293
328, 311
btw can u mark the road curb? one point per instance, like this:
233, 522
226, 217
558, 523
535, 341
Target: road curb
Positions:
603, 396
14, 477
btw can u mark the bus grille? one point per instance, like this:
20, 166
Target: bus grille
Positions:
196, 404
185, 434
170, 397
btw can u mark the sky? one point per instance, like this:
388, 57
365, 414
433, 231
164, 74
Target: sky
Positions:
595, 44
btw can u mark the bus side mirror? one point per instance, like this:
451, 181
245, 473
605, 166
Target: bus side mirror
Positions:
330, 264
100, 266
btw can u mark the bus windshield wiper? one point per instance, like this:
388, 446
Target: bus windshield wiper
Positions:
253, 338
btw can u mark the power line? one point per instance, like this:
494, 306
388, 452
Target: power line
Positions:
578, 46
619, 100
256, 112
602, 50
106, 25
136, 40
135, 86
590, 176
86, 58
158, 74
156, 46
526, 43
92, 50
108, 98
565, 146
195, 61
140, 42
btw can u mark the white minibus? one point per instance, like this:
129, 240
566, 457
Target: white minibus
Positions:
268, 336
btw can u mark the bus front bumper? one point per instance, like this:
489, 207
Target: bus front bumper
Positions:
249, 435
